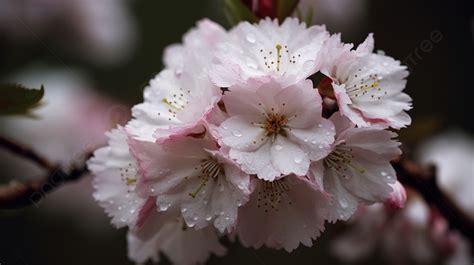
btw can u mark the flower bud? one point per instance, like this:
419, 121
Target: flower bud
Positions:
398, 196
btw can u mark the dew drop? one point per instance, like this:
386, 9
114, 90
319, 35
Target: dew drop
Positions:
320, 146
343, 203
208, 218
195, 218
298, 160
251, 38
237, 133
163, 207
320, 125
383, 173
278, 147
227, 218
305, 140
183, 210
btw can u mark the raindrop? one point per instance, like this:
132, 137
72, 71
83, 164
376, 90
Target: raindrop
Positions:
278, 147
251, 38
343, 203
237, 133
163, 207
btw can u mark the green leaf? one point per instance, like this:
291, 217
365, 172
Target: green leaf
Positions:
16, 99
236, 11
285, 8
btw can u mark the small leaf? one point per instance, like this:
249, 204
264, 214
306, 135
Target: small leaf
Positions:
236, 12
285, 8
17, 99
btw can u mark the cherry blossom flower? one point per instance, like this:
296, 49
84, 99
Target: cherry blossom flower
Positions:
115, 180
358, 169
286, 52
413, 235
199, 41
192, 174
274, 131
283, 213
179, 99
174, 104
368, 86
166, 232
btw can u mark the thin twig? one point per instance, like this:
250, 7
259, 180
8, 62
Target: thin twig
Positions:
423, 180
26, 153
20, 194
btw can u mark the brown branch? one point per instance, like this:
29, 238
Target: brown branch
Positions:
423, 180
26, 153
20, 194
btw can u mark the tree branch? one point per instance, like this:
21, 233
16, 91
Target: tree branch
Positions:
423, 180
20, 194
26, 153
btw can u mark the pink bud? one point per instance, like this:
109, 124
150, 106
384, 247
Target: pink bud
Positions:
262, 8
398, 196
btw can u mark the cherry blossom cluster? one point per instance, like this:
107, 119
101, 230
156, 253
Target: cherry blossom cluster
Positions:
232, 139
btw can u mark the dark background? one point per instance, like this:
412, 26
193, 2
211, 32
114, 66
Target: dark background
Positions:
440, 83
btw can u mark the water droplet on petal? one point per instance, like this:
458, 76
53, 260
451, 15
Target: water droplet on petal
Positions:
237, 133
298, 160
320, 125
343, 203
163, 207
305, 140
251, 38
278, 147
321, 146
383, 173
195, 218
208, 218
183, 210
227, 218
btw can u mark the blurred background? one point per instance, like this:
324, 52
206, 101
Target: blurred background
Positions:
94, 58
